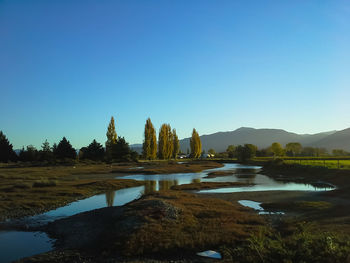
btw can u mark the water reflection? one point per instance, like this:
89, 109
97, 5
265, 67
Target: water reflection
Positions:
240, 173
196, 180
166, 185
246, 178
110, 195
150, 187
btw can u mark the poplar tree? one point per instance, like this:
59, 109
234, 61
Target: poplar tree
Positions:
176, 144
170, 144
162, 138
165, 142
150, 142
111, 136
196, 144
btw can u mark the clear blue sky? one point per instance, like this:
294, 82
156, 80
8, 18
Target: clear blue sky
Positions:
67, 66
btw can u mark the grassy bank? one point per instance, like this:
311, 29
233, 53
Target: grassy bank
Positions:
327, 162
164, 225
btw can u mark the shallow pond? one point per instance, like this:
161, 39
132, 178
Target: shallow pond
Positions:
241, 173
18, 244
256, 206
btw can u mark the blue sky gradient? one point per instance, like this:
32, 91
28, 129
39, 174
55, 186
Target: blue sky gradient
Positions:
67, 66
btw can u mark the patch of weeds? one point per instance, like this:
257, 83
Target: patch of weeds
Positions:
23, 185
304, 244
44, 183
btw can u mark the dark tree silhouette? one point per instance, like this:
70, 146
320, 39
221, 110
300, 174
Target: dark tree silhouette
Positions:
245, 152
6, 150
93, 152
31, 154
45, 153
65, 150
122, 152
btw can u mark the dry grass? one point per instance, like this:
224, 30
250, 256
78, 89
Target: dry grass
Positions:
202, 223
169, 167
27, 197
219, 174
29, 190
166, 223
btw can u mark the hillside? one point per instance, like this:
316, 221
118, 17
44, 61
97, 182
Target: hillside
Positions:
260, 137
265, 137
337, 140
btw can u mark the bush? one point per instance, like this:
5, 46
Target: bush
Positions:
44, 183
303, 245
23, 185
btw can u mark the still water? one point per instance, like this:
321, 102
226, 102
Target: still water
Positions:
241, 173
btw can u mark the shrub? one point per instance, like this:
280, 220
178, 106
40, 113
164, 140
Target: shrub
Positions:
23, 185
303, 245
44, 183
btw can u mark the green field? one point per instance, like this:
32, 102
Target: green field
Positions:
329, 162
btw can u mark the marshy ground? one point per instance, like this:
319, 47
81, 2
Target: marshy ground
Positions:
173, 225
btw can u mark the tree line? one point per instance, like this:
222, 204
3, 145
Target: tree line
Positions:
292, 149
168, 145
116, 148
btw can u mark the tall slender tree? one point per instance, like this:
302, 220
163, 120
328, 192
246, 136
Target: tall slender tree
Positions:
165, 142
176, 144
150, 142
111, 136
162, 141
170, 143
196, 144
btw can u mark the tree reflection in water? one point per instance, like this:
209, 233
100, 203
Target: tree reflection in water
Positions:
110, 195
196, 180
166, 185
150, 187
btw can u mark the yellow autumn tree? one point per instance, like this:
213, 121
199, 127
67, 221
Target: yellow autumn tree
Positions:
165, 142
111, 137
196, 144
176, 144
150, 142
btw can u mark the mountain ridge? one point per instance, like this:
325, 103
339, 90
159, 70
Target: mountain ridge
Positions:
264, 137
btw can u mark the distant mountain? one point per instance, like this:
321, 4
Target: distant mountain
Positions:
261, 137
136, 147
265, 137
337, 140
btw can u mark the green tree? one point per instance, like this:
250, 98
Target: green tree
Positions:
277, 149
195, 144
245, 152
121, 151
339, 152
6, 149
111, 137
176, 144
93, 152
45, 152
231, 149
150, 142
293, 148
31, 154
65, 150
165, 142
